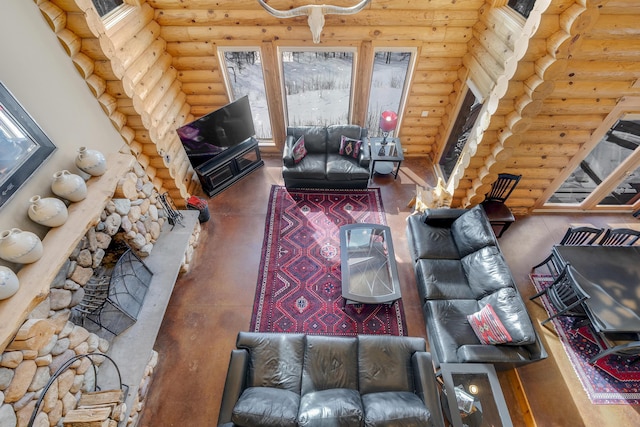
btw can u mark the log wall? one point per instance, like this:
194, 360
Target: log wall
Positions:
547, 82
548, 116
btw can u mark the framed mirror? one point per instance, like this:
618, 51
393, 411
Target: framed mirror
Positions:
23, 145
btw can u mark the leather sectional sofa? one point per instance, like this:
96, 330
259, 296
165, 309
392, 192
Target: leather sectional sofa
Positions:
459, 271
310, 380
323, 166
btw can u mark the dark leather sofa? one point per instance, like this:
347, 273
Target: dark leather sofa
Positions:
310, 380
459, 270
323, 166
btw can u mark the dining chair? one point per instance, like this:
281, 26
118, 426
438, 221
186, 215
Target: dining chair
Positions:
565, 295
574, 236
619, 237
583, 235
494, 203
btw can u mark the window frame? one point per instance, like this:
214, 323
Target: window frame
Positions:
229, 88
406, 87
627, 106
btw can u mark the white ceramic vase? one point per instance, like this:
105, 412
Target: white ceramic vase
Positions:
22, 247
47, 211
69, 186
9, 283
92, 162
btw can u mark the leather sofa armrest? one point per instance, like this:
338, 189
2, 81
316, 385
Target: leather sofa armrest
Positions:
441, 217
426, 385
364, 158
234, 385
287, 151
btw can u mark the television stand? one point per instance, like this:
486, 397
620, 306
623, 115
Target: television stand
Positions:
229, 166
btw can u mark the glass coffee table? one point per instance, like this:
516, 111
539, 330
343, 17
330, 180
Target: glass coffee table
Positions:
369, 271
474, 389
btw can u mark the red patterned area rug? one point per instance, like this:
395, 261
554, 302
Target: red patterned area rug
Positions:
613, 379
299, 283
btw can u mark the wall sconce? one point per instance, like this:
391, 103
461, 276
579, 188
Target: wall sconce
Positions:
388, 122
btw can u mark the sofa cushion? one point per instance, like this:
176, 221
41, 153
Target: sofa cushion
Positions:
299, 151
349, 147
330, 363
313, 166
341, 168
331, 407
442, 279
384, 362
429, 241
400, 408
510, 308
315, 137
472, 231
486, 271
275, 359
488, 327
265, 407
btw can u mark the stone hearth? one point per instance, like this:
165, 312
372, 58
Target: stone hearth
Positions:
46, 338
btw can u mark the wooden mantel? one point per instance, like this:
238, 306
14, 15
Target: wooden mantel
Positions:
35, 279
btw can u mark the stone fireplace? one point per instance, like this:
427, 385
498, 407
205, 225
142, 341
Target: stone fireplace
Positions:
52, 328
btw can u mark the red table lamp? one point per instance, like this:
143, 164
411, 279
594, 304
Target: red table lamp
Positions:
388, 122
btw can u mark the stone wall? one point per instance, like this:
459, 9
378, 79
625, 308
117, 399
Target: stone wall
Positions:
27, 366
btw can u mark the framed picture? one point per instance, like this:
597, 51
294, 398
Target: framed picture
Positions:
23, 145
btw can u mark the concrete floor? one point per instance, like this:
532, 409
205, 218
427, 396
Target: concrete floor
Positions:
214, 301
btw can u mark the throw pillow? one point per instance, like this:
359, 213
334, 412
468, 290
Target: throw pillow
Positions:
488, 327
299, 150
350, 147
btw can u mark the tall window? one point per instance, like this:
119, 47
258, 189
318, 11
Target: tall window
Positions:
105, 6
388, 82
612, 164
459, 134
244, 76
317, 86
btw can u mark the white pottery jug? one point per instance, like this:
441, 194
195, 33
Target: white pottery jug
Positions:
9, 283
22, 247
47, 211
92, 162
69, 186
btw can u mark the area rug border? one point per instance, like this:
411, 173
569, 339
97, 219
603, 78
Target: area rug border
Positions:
596, 397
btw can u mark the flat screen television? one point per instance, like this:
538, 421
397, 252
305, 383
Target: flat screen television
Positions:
217, 131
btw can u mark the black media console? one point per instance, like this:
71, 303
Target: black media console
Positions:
229, 166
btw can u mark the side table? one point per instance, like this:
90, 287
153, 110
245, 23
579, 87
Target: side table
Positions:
474, 397
391, 152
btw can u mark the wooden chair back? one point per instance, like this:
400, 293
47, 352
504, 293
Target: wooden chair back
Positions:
503, 187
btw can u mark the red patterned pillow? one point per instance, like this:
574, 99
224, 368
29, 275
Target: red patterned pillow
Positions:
350, 147
488, 327
299, 150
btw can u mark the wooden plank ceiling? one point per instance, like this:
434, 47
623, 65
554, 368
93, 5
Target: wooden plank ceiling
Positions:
548, 82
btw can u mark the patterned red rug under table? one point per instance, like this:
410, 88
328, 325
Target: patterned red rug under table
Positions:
299, 282
612, 379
